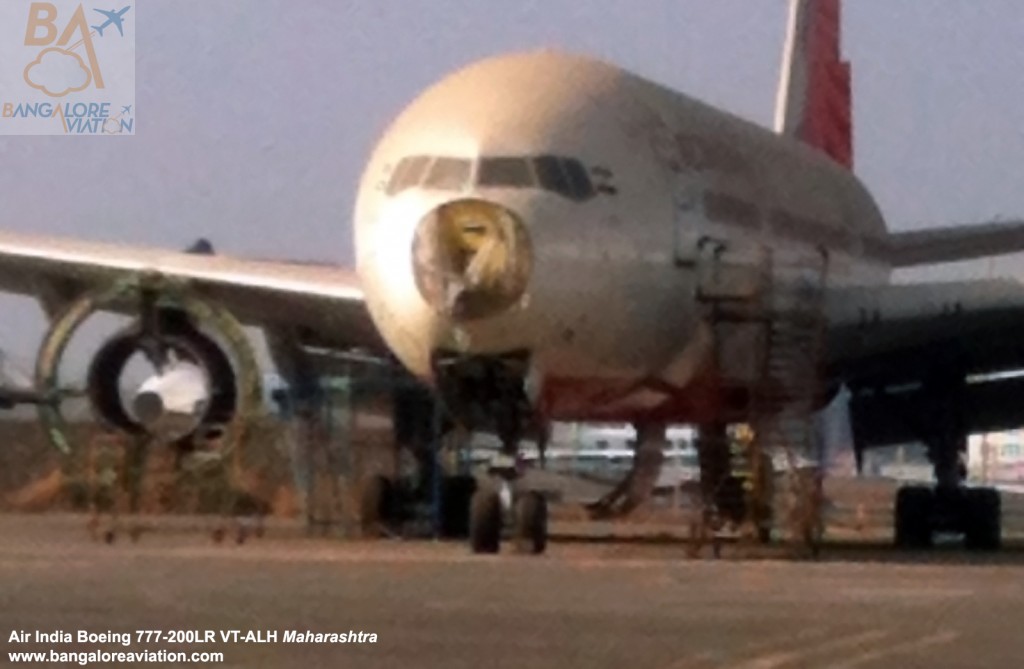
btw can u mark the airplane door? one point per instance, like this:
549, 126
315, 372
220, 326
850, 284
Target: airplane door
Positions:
729, 270
686, 224
728, 265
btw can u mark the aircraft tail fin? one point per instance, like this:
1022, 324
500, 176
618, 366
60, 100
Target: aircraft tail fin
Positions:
815, 102
99, 30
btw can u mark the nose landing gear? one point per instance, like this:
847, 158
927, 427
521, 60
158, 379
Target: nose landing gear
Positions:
529, 522
530, 528
485, 521
499, 504
489, 392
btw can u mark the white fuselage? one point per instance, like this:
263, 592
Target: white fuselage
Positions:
609, 312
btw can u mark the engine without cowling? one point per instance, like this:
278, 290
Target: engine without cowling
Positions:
191, 389
202, 385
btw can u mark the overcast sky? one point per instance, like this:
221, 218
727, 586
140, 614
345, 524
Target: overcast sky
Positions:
255, 117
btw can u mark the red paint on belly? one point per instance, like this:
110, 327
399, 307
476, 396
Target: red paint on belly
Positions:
609, 400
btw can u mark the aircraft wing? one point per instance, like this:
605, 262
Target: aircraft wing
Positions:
897, 333
959, 242
322, 302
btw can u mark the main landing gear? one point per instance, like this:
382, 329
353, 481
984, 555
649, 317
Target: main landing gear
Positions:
950, 507
921, 512
639, 484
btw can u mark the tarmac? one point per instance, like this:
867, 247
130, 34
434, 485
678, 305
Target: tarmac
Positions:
584, 604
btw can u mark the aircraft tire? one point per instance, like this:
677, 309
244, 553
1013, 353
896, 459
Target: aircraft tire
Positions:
376, 498
485, 521
983, 519
912, 526
531, 523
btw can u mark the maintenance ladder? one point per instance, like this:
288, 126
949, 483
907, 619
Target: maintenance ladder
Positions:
784, 300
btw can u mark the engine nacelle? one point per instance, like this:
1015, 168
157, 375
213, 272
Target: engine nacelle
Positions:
196, 390
174, 329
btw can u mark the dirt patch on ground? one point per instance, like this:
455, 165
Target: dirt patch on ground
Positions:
35, 477
25, 455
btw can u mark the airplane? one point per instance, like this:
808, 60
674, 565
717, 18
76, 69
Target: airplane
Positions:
114, 18
545, 237
127, 109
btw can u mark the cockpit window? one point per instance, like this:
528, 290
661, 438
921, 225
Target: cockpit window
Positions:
565, 176
449, 174
551, 175
409, 172
504, 171
579, 180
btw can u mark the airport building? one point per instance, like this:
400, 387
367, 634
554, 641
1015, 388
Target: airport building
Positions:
997, 457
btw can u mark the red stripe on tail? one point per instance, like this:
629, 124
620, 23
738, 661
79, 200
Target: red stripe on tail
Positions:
817, 98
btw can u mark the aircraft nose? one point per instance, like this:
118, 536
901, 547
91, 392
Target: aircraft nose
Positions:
471, 258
